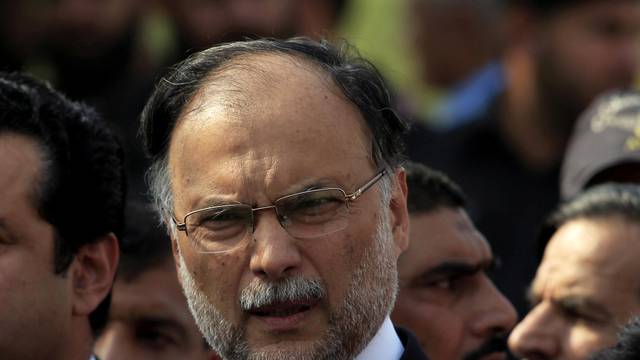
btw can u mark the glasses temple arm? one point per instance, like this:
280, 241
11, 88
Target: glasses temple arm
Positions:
366, 186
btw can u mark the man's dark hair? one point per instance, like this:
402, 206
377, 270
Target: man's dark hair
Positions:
628, 346
602, 201
81, 187
430, 190
358, 80
146, 244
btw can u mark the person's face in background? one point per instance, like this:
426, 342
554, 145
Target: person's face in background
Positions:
87, 29
585, 290
149, 319
35, 303
445, 296
22, 26
203, 23
451, 41
582, 50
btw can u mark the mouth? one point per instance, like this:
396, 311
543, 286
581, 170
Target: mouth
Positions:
280, 309
283, 316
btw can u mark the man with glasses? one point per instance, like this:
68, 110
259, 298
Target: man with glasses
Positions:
276, 166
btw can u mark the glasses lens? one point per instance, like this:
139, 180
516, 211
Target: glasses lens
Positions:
219, 229
313, 213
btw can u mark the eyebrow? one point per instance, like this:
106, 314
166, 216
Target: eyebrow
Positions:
572, 302
213, 201
312, 184
160, 322
457, 268
583, 303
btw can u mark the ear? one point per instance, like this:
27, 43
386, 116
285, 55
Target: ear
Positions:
399, 212
92, 272
175, 247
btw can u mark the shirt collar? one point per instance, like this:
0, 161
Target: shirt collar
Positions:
384, 345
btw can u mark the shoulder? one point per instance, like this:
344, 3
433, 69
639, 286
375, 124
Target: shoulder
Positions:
412, 349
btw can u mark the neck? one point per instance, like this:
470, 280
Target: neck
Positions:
79, 342
524, 118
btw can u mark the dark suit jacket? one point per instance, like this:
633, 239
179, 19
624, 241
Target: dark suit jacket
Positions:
412, 350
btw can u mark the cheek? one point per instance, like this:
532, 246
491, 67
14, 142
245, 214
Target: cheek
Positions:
438, 327
26, 280
333, 261
219, 276
583, 340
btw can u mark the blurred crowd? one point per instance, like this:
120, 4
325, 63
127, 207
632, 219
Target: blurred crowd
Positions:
530, 113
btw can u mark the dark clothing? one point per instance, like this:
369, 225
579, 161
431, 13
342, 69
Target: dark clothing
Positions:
412, 349
507, 201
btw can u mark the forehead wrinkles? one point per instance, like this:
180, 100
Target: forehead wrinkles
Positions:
254, 83
295, 96
249, 80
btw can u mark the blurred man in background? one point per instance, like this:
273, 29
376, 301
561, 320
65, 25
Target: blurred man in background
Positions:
201, 24
587, 285
22, 26
458, 44
559, 56
446, 297
97, 54
149, 317
62, 193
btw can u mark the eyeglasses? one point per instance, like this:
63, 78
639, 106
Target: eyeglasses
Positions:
307, 214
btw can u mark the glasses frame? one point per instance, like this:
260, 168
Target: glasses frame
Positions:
347, 197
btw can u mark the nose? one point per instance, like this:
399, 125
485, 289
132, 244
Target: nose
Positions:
275, 253
536, 336
112, 344
495, 314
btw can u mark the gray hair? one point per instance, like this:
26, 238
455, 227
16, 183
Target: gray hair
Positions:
357, 79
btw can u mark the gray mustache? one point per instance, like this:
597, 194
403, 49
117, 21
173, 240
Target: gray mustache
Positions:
259, 293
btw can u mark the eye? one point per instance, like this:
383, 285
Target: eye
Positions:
443, 284
315, 207
218, 224
575, 315
156, 339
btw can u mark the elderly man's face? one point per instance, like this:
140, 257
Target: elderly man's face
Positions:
585, 290
286, 131
445, 296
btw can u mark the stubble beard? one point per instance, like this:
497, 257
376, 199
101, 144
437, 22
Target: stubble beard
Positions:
369, 300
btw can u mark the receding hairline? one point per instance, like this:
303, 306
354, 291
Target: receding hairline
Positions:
235, 75
614, 217
254, 70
